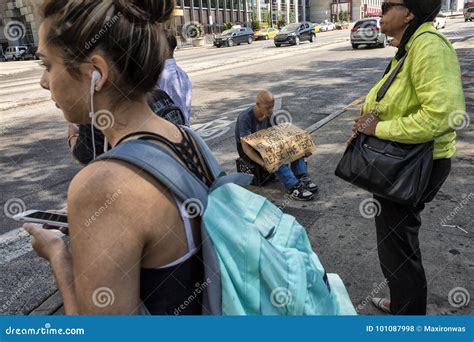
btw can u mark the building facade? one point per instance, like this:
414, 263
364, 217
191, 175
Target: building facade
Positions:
19, 22
289, 11
212, 14
19, 19
332, 10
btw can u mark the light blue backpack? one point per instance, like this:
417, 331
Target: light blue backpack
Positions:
257, 260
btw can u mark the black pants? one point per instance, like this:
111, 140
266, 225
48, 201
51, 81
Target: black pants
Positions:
399, 249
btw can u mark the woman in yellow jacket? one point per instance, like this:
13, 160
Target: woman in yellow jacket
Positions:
423, 104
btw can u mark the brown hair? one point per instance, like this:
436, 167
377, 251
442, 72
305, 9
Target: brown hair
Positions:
128, 33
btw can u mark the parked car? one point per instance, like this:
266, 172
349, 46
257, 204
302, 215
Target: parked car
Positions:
266, 34
2, 57
368, 32
317, 28
235, 36
31, 53
342, 25
469, 14
295, 33
327, 26
13, 53
440, 21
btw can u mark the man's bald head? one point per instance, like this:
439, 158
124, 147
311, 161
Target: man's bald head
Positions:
265, 103
265, 97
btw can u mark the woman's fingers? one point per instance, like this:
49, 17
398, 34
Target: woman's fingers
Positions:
32, 228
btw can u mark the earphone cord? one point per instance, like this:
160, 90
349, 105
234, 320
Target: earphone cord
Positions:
92, 116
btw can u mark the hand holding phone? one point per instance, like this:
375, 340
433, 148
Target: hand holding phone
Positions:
49, 220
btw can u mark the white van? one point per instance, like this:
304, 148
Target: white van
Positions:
13, 53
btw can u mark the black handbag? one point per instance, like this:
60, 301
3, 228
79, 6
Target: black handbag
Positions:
395, 171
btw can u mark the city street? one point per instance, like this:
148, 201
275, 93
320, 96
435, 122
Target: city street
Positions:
313, 82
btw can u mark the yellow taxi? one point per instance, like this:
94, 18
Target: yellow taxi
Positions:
268, 33
317, 28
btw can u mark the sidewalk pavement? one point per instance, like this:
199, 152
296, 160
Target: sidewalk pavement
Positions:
345, 240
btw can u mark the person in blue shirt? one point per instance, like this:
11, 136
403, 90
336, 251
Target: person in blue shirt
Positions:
295, 176
175, 81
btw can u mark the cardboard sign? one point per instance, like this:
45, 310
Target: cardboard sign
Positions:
280, 145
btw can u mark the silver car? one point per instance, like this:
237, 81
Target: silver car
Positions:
368, 32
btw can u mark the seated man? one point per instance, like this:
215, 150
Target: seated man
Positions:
295, 177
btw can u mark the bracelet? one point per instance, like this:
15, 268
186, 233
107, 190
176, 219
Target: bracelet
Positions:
71, 137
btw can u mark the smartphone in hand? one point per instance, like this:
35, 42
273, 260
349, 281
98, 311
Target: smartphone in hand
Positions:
47, 219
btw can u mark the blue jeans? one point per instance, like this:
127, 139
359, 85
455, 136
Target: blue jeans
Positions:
289, 176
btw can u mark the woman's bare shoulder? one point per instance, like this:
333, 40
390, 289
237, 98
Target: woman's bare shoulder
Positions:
124, 191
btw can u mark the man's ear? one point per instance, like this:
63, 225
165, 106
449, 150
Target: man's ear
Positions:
101, 65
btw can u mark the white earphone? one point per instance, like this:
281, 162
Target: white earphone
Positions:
96, 76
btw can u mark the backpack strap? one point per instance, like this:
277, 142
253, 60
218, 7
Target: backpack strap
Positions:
158, 162
211, 161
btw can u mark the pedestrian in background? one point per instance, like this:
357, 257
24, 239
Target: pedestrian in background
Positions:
175, 81
415, 110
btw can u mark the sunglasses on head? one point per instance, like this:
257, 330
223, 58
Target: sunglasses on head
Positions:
386, 6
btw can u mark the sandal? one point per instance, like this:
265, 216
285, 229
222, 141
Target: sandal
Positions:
379, 304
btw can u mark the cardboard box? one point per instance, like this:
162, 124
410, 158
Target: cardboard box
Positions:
280, 145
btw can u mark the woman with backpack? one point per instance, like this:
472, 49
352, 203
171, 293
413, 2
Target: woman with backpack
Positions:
131, 241
420, 106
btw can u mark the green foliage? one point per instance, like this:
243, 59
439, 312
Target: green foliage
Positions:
281, 22
344, 16
266, 17
256, 25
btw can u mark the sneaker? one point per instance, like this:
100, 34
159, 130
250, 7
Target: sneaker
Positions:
308, 184
299, 193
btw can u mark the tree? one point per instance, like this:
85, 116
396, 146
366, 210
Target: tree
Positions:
255, 25
281, 22
344, 16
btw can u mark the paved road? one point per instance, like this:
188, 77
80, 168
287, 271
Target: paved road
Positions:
312, 81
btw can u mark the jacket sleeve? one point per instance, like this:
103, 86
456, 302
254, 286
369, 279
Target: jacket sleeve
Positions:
436, 79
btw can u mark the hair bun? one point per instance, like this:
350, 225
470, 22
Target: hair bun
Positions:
152, 11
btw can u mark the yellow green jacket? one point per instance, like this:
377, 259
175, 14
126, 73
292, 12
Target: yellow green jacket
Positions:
427, 93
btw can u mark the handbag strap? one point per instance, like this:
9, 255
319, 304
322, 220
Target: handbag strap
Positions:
383, 90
